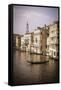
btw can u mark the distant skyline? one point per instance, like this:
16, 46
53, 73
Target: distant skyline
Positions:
35, 16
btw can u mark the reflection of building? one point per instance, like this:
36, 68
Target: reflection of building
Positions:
52, 40
16, 40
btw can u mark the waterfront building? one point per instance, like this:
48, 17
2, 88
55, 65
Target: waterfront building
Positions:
16, 41
45, 34
22, 47
53, 40
37, 41
40, 40
27, 40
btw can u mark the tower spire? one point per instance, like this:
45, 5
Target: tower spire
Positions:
27, 27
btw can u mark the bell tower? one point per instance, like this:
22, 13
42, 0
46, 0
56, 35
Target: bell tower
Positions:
27, 27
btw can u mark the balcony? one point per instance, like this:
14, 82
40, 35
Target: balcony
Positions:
53, 42
55, 34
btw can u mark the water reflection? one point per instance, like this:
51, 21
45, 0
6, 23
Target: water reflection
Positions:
26, 73
38, 58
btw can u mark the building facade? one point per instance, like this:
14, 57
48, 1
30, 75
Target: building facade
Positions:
40, 40
37, 43
52, 40
26, 42
16, 41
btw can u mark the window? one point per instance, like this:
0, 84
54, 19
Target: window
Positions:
54, 53
36, 40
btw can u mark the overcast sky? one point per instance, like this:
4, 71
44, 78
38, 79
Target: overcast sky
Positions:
35, 16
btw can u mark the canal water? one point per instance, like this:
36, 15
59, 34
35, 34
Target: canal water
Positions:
27, 73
